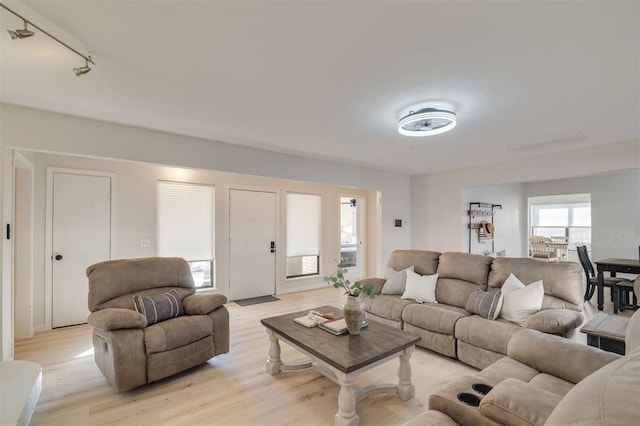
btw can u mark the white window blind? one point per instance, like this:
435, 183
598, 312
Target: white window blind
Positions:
303, 225
185, 220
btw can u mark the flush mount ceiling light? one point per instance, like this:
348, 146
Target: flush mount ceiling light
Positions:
426, 122
24, 33
16, 34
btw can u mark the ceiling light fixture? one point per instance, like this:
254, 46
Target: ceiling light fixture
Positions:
426, 122
24, 33
16, 34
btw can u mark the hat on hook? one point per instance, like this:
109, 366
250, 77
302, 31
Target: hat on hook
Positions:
487, 228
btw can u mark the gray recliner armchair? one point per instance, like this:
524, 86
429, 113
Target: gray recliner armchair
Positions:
128, 349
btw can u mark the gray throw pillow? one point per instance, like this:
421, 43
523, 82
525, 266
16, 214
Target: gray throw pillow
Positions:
159, 308
485, 303
396, 280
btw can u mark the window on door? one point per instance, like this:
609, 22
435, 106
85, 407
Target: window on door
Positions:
185, 227
348, 232
303, 235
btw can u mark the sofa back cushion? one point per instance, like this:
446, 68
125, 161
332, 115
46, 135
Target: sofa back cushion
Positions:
459, 274
562, 281
113, 283
424, 262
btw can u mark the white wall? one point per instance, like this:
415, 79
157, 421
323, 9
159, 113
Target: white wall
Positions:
615, 209
135, 201
434, 196
36, 130
508, 222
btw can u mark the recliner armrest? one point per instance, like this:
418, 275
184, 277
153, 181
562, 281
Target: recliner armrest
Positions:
202, 304
116, 319
555, 355
554, 321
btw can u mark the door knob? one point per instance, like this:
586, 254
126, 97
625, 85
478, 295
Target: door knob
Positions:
273, 246
58, 257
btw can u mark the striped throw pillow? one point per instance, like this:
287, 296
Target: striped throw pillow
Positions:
159, 308
485, 303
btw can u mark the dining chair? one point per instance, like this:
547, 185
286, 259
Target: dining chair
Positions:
592, 279
539, 248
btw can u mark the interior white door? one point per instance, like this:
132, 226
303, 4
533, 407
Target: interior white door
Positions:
81, 236
252, 232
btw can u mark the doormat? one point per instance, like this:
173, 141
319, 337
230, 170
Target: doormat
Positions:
256, 300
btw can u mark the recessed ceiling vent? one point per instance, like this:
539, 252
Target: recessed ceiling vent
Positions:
426, 122
561, 143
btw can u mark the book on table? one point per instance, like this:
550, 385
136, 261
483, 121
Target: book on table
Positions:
312, 319
336, 326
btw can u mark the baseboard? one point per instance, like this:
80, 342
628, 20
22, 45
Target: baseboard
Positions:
40, 328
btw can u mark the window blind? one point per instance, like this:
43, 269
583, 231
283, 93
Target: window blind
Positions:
185, 220
303, 225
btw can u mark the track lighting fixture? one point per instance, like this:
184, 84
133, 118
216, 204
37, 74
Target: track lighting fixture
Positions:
82, 70
24, 33
17, 34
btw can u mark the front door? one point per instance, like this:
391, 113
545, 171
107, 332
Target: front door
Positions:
81, 236
252, 237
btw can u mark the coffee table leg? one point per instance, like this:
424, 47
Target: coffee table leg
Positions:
274, 362
346, 415
406, 390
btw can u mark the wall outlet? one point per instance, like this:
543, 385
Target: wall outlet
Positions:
617, 238
145, 243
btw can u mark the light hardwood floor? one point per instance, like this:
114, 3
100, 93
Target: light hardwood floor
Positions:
231, 389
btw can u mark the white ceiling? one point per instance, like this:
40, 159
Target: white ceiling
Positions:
330, 79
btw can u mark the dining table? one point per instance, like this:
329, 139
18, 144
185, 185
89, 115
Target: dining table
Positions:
613, 266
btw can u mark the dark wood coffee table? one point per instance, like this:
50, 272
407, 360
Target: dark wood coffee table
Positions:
343, 358
606, 332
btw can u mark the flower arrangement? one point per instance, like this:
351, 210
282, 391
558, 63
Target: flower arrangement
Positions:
356, 289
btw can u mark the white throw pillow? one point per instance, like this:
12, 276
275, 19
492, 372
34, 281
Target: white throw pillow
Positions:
520, 301
421, 288
395, 280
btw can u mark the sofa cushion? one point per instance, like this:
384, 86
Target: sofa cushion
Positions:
159, 308
562, 281
487, 304
505, 368
421, 288
396, 280
607, 397
520, 300
114, 279
458, 275
560, 357
554, 321
176, 332
487, 334
387, 306
552, 383
514, 402
423, 262
438, 318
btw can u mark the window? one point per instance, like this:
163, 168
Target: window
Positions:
185, 227
303, 235
571, 220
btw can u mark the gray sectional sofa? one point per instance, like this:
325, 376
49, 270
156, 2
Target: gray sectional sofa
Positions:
448, 328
